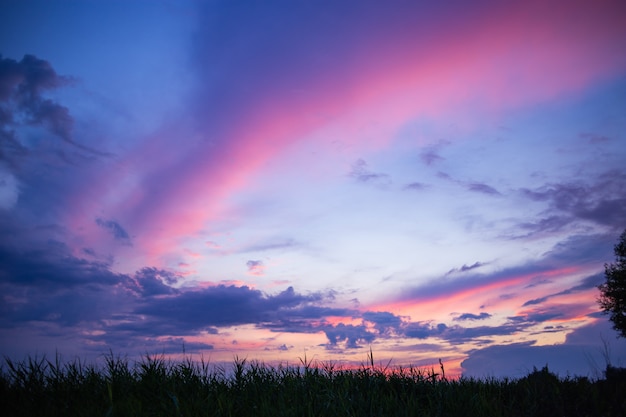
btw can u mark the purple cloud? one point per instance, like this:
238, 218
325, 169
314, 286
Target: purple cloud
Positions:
470, 316
590, 282
430, 157
361, 173
582, 354
115, 229
603, 202
22, 85
482, 188
466, 267
416, 186
255, 267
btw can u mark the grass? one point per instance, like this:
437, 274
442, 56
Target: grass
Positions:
155, 386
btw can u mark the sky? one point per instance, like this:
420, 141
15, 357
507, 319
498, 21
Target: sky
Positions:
269, 180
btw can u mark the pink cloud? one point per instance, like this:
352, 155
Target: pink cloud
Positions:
256, 268
512, 56
472, 298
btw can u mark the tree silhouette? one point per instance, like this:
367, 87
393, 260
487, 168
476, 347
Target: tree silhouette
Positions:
613, 291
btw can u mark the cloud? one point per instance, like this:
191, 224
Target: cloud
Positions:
361, 173
430, 157
22, 85
588, 283
384, 322
417, 186
482, 188
466, 268
423, 330
580, 250
431, 154
274, 244
152, 281
255, 267
476, 187
602, 201
350, 334
221, 305
470, 316
581, 354
459, 334
98, 307
24, 81
51, 267
115, 229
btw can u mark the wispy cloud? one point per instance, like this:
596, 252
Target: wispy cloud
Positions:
115, 229
600, 200
588, 283
482, 188
255, 267
360, 172
466, 268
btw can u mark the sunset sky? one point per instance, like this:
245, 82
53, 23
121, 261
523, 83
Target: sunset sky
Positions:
431, 180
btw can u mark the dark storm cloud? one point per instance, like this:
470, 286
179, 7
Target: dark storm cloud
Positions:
224, 306
50, 286
470, 316
115, 229
361, 173
51, 266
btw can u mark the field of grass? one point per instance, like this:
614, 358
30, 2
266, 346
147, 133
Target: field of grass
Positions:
158, 387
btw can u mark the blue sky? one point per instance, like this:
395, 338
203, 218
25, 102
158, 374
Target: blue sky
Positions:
265, 180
